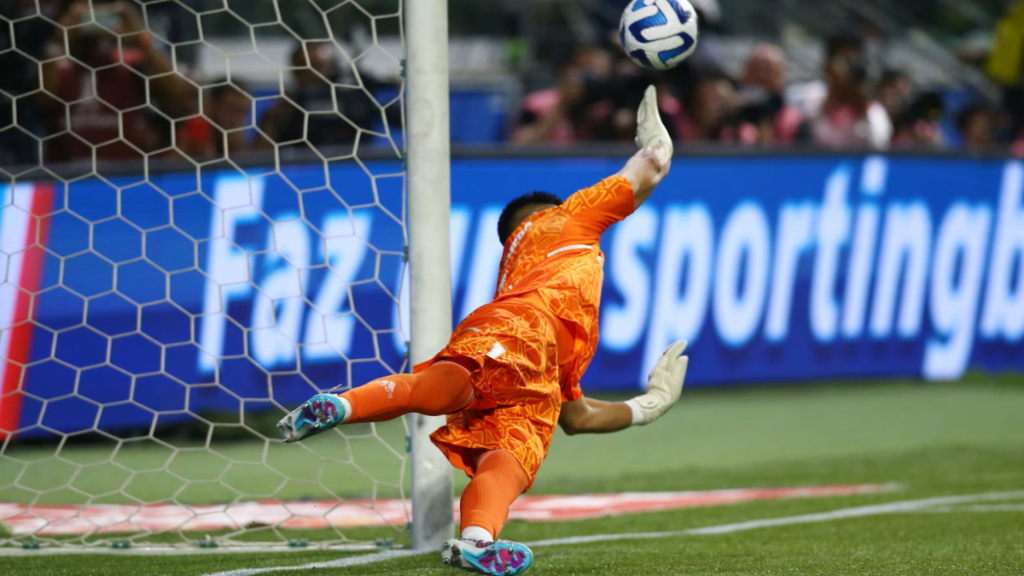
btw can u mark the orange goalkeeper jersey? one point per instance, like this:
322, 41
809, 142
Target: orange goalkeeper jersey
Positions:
556, 254
532, 344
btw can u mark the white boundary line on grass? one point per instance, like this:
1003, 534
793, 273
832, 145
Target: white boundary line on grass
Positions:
855, 512
977, 508
339, 563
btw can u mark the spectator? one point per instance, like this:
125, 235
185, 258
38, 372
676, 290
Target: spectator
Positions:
576, 109
1006, 64
226, 116
709, 110
176, 24
895, 91
713, 54
118, 118
20, 78
848, 118
764, 117
311, 112
976, 124
625, 89
920, 125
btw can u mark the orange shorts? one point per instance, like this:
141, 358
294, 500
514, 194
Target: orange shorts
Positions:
514, 346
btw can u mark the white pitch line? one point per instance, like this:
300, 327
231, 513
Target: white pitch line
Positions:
855, 512
873, 510
339, 563
977, 508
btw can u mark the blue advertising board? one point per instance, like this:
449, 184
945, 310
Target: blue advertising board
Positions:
151, 299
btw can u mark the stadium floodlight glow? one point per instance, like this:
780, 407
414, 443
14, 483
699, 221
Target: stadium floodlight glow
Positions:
154, 325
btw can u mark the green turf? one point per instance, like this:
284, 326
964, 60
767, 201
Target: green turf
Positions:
935, 440
110, 472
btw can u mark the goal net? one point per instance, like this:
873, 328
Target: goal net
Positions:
203, 223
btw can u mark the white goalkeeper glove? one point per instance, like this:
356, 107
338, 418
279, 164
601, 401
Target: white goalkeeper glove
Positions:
649, 128
664, 386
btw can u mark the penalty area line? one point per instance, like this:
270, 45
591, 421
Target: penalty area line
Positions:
924, 504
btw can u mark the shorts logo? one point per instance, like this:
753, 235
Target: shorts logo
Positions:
389, 386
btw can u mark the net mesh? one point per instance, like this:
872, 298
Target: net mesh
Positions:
202, 224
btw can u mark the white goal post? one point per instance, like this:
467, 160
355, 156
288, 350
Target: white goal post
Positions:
429, 197
190, 248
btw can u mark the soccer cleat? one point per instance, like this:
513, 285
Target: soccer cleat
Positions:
499, 557
649, 127
319, 414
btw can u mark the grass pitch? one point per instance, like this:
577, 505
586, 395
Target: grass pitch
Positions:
934, 440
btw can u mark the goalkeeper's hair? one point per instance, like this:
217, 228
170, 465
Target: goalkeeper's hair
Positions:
505, 224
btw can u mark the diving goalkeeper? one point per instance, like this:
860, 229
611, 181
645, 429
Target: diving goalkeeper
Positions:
512, 369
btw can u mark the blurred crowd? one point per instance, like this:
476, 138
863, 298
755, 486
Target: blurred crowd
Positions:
847, 108
115, 88
116, 84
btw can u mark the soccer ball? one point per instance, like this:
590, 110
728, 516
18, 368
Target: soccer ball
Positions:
658, 34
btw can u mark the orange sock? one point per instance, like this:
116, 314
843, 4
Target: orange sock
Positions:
440, 389
498, 481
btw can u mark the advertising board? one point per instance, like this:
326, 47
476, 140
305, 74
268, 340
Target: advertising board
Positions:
188, 293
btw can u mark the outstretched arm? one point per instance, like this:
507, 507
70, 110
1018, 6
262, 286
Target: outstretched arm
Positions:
646, 169
592, 416
648, 166
665, 384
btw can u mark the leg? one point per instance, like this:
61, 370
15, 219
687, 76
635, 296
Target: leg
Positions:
498, 481
442, 388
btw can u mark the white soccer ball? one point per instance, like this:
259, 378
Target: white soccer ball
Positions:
658, 34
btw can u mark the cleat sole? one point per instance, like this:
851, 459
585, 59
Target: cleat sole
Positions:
499, 558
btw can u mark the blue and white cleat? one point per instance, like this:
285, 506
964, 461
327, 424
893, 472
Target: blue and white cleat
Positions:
499, 557
319, 414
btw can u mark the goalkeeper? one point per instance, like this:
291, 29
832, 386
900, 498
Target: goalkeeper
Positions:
512, 369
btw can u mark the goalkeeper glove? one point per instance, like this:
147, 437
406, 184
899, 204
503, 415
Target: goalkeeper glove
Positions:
649, 128
664, 386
